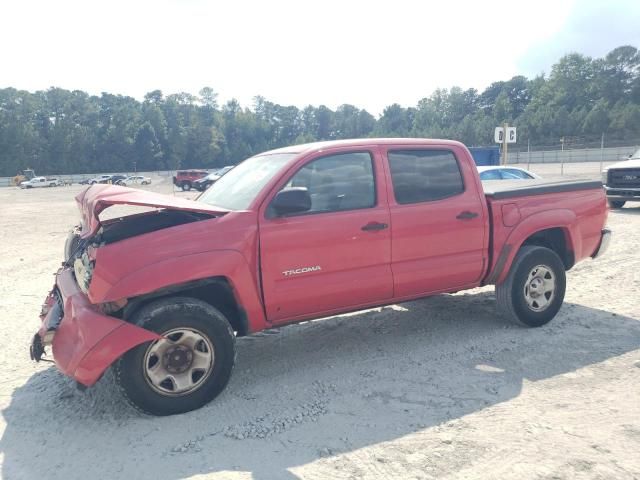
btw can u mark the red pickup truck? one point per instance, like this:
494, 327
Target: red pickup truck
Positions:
298, 233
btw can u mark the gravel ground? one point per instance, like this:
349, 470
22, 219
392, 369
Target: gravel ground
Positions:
436, 388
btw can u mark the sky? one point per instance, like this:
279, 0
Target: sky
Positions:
366, 53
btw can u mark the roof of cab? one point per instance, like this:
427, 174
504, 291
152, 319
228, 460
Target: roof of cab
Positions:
362, 142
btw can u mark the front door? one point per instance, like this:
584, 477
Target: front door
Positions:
337, 255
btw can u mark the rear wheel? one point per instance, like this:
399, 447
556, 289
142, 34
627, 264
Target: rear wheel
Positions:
186, 369
534, 290
616, 203
186, 186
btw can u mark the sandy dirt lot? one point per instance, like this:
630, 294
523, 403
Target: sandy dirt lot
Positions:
436, 388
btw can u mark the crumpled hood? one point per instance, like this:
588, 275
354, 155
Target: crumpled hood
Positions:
96, 198
635, 163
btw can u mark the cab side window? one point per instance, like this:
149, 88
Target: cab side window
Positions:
338, 182
424, 175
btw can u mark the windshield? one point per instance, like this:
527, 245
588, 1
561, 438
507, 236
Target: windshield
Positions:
636, 154
237, 189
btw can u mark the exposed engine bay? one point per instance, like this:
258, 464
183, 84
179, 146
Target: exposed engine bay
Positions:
121, 228
78, 251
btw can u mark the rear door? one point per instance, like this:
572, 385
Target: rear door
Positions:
438, 220
337, 255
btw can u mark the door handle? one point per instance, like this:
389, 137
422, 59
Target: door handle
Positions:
374, 226
466, 215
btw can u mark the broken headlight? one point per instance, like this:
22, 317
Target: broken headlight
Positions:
83, 269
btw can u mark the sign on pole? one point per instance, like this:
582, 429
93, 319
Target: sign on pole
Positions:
498, 135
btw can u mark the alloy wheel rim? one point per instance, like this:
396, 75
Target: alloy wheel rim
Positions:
540, 288
179, 363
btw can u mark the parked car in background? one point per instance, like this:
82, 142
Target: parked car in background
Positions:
295, 234
622, 181
134, 180
114, 179
205, 182
99, 179
39, 182
505, 173
184, 178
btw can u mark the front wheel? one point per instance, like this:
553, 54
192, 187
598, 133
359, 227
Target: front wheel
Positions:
186, 369
186, 186
533, 292
616, 203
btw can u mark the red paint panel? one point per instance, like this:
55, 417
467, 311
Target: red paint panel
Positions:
580, 214
354, 264
510, 214
432, 249
83, 328
108, 349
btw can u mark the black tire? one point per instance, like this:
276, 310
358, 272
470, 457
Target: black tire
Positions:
510, 294
186, 186
71, 244
162, 316
616, 203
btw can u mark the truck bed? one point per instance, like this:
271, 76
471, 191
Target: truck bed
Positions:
499, 189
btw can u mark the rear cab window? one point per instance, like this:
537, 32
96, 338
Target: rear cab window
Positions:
424, 175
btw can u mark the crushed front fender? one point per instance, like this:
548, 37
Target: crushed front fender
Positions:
84, 341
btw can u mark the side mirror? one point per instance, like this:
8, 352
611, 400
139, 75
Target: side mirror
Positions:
291, 200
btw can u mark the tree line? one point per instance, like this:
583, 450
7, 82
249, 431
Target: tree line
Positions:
61, 131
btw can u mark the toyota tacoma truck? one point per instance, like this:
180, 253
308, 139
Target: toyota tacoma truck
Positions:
295, 234
622, 181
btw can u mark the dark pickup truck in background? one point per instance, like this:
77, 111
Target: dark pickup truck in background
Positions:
622, 181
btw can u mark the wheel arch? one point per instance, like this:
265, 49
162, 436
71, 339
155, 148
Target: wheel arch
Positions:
209, 275
557, 239
553, 229
216, 291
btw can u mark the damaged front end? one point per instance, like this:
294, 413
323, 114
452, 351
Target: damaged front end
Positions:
85, 338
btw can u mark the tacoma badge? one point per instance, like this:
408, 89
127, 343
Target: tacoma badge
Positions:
298, 271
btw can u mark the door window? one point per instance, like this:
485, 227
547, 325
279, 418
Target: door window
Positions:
424, 175
338, 182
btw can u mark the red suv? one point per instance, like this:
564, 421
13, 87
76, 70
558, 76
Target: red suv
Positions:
184, 178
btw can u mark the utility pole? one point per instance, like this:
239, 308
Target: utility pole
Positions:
504, 144
601, 151
562, 156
